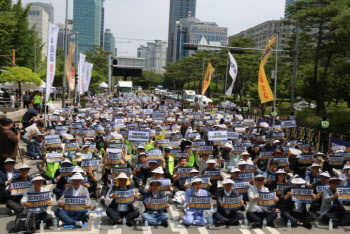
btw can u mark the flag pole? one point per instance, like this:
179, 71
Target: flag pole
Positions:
202, 79
275, 81
226, 84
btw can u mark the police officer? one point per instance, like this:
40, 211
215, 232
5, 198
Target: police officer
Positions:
273, 113
324, 126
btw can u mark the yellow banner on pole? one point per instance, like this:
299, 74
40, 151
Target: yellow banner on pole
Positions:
207, 78
264, 89
70, 71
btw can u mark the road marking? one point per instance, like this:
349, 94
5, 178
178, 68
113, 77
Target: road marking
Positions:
175, 225
272, 230
258, 231
243, 230
116, 229
202, 230
146, 230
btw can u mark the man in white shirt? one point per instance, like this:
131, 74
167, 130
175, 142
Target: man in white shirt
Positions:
72, 217
6, 177
256, 214
41, 212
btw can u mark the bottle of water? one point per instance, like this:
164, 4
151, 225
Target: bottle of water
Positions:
330, 224
54, 199
146, 223
210, 221
264, 223
289, 225
55, 224
41, 226
245, 223
124, 222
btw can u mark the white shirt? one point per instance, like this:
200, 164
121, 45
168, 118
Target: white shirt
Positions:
76, 192
227, 193
253, 192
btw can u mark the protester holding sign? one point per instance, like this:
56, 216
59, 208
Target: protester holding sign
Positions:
139, 163
14, 202
346, 175
181, 173
39, 207
256, 214
313, 177
195, 216
123, 207
332, 207
227, 211
74, 214
60, 177
6, 177
158, 173
156, 204
319, 187
214, 174
294, 208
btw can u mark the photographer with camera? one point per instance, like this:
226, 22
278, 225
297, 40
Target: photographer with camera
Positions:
9, 138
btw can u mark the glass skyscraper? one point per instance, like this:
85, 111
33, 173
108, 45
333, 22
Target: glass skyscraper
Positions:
288, 3
109, 42
178, 9
87, 21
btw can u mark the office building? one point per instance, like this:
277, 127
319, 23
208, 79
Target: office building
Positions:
87, 21
263, 32
38, 18
48, 7
154, 55
178, 9
109, 42
192, 30
60, 39
288, 3
102, 30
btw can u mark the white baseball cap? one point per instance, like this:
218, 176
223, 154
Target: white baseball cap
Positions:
227, 181
24, 166
211, 161
235, 169
196, 179
298, 181
158, 170
77, 176
325, 174
37, 177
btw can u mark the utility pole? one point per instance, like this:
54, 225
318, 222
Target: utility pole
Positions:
65, 58
275, 80
12, 57
295, 67
109, 73
76, 66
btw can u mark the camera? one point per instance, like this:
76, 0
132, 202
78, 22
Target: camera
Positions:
15, 128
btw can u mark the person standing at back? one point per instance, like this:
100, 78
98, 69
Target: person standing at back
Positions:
9, 141
324, 127
37, 100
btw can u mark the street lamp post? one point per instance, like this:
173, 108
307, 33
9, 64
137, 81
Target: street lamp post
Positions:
275, 80
65, 57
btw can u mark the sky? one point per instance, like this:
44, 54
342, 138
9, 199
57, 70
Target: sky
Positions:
148, 19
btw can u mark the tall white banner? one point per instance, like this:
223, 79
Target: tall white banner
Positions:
87, 76
233, 73
81, 73
51, 58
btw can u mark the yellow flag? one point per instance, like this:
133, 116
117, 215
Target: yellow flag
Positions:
264, 89
70, 72
207, 78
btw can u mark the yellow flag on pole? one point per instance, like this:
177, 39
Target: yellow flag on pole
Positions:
264, 89
207, 78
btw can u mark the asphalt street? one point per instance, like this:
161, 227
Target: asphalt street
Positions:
100, 224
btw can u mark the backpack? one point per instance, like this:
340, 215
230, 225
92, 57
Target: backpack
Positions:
24, 223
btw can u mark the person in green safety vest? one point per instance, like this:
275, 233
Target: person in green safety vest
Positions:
245, 108
37, 99
134, 156
324, 127
150, 145
51, 168
169, 161
191, 157
274, 113
77, 159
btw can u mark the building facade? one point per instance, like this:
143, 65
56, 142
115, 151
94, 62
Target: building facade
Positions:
192, 30
154, 55
38, 18
87, 21
262, 33
178, 9
109, 42
60, 39
102, 30
288, 3
48, 7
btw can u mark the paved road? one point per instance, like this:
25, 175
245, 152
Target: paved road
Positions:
100, 224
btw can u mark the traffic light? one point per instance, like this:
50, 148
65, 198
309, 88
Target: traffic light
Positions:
115, 62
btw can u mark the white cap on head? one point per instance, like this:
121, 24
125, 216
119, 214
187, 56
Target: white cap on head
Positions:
78, 170
259, 176
37, 177
155, 181
346, 166
77, 176
298, 181
122, 176
281, 171
235, 169
67, 161
196, 179
9, 160
211, 161
276, 141
227, 181
24, 166
315, 165
194, 170
242, 162
325, 174
228, 145
158, 170
245, 153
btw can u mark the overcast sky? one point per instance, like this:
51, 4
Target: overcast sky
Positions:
148, 19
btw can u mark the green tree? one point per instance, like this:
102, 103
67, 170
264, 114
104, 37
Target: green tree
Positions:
20, 75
